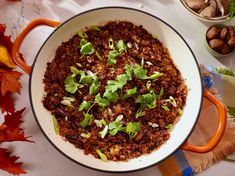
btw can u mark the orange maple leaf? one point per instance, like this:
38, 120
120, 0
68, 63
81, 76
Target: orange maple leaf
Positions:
9, 81
8, 163
6, 103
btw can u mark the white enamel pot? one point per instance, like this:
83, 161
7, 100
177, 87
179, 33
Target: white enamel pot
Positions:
181, 54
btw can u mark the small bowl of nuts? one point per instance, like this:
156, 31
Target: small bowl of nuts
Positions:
220, 40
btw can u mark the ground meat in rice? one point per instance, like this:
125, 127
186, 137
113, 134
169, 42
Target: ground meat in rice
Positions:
152, 119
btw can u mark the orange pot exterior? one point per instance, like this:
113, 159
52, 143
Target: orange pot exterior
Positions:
19, 39
219, 132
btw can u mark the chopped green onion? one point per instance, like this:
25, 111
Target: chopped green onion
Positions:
78, 64
154, 36
139, 113
85, 135
165, 107
71, 99
169, 126
132, 129
101, 155
148, 85
100, 123
95, 28
142, 63
55, 124
87, 49
154, 125
154, 76
98, 56
85, 122
104, 131
172, 101
65, 102
111, 43
180, 111
149, 63
82, 34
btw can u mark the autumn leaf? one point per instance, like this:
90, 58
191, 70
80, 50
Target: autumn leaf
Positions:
8, 163
9, 81
12, 131
5, 40
6, 103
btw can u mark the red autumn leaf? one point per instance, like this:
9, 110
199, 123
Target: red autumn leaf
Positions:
9, 164
9, 81
12, 131
6, 103
5, 40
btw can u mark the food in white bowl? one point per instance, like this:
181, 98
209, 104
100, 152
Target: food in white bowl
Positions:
114, 91
221, 39
210, 10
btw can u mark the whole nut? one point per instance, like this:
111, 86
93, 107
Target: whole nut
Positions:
216, 44
213, 32
223, 34
231, 42
225, 49
231, 30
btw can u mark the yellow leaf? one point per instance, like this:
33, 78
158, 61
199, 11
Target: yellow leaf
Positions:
5, 57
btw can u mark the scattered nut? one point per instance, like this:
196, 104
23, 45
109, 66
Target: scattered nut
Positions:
216, 44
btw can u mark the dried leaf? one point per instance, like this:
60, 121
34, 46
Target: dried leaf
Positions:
6, 103
5, 57
9, 81
13, 132
5, 40
8, 163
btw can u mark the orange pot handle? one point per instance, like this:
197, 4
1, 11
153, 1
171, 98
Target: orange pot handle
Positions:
16, 56
219, 132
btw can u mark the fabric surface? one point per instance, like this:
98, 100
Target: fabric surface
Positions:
220, 82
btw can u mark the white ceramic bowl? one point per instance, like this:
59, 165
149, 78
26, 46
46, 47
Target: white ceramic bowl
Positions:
179, 50
214, 20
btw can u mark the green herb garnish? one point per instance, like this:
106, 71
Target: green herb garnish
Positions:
147, 100
84, 105
94, 88
101, 155
130, 92
100, 123
139, 113
87, 118
169, 126
232, 9
121, 46
98, 56
225, 71
112, 57
82, 34
71, 84
165, 107
55, 124
111, 43
95, 28
132, 129
104, 131
85, 135
74, 70
101, 101
87, 49
116, 126
111, 96
155, 75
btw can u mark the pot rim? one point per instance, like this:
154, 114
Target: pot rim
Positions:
80, 163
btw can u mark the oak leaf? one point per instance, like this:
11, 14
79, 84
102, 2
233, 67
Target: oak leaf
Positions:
8, 163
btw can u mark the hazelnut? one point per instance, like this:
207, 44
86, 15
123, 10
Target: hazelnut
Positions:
213, 32
225, 49
224, 33
231, 42
216, 44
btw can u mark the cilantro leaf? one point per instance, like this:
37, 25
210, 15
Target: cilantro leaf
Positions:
87, 49
139, 113
112, 57
140, 72
104, 131
111, 96
94, 88
84, 79
101, 155
101, 101
71, 84
83, 42
85, 122
132, 129
147, 100
130, 92
116, 126
74, 70
121, 46
84, 105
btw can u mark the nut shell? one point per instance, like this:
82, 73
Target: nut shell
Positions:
224, 33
